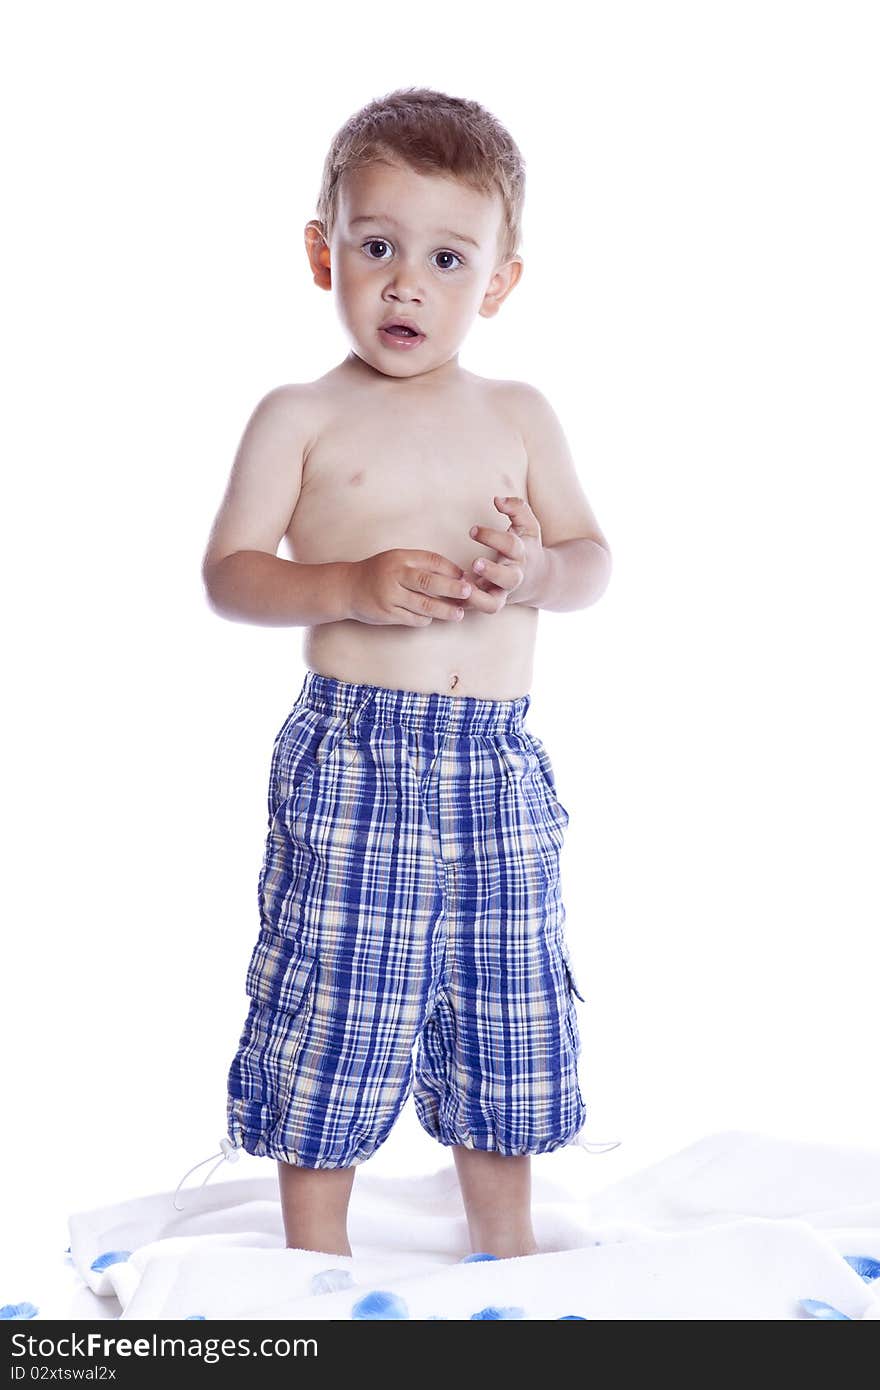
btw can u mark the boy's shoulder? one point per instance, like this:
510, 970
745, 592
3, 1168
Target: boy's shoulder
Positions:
503, 386
288, 398
292, 406
523, 394
519, 398
528, 409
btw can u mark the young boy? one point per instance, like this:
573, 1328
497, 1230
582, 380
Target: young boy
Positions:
410, 891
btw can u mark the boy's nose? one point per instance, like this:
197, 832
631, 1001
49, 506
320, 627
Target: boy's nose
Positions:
405, 282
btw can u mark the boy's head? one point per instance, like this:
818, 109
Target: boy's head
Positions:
419, 218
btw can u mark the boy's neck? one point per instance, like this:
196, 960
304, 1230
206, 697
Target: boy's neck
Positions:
445, 374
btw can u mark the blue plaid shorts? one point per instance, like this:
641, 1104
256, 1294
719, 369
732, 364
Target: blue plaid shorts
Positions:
409, 902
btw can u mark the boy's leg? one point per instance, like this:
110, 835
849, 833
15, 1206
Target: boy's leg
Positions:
314, 1205
497, 1193
496, 1076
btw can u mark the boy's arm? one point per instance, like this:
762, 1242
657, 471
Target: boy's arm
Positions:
576, 556
244, 578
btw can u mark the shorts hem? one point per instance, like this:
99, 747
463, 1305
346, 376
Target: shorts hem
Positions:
467, 1141
259, 1144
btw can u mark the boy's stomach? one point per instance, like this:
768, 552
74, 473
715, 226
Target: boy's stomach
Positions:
486, 655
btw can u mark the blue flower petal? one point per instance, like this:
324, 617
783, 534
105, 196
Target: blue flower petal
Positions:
330, 1281
817, 1309
380, 1304
471, 1259
19, 1310
109, 1257
490, 1314
865, 1266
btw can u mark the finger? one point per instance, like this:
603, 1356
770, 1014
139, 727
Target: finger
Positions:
424, 605
408, 619
486, 600
434, 562
508, 542
520, 513
506, 576
426, 610
435, 585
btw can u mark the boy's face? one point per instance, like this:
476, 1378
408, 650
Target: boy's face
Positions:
412, 246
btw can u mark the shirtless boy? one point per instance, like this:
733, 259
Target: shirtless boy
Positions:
411, 923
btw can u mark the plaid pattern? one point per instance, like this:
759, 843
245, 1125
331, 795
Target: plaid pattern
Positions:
409, 900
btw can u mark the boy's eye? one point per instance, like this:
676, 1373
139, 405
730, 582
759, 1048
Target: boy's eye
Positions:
380, 242
454, 256
376, 242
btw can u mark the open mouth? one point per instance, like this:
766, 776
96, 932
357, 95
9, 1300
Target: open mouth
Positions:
401, 328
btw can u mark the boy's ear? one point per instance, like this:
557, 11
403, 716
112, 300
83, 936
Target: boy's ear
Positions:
318, 253
502, 282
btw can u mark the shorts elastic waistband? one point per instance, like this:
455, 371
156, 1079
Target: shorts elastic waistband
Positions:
465, 714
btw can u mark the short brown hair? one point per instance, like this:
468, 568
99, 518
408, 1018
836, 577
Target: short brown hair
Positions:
432, 133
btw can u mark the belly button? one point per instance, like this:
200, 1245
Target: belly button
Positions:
453, 681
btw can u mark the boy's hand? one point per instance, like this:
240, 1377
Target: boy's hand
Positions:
411, 587
521, 549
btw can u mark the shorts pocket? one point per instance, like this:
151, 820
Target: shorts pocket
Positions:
281, 984
569, 970
305, 743
546, 778
304, 746
280, 974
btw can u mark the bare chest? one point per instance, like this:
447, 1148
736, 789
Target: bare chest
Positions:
408, 477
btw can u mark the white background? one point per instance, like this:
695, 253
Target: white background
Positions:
699, 304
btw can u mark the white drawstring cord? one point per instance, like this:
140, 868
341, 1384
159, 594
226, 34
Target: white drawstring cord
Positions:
228, 1150
598, 1146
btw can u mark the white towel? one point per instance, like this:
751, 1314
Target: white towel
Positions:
736, 1226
